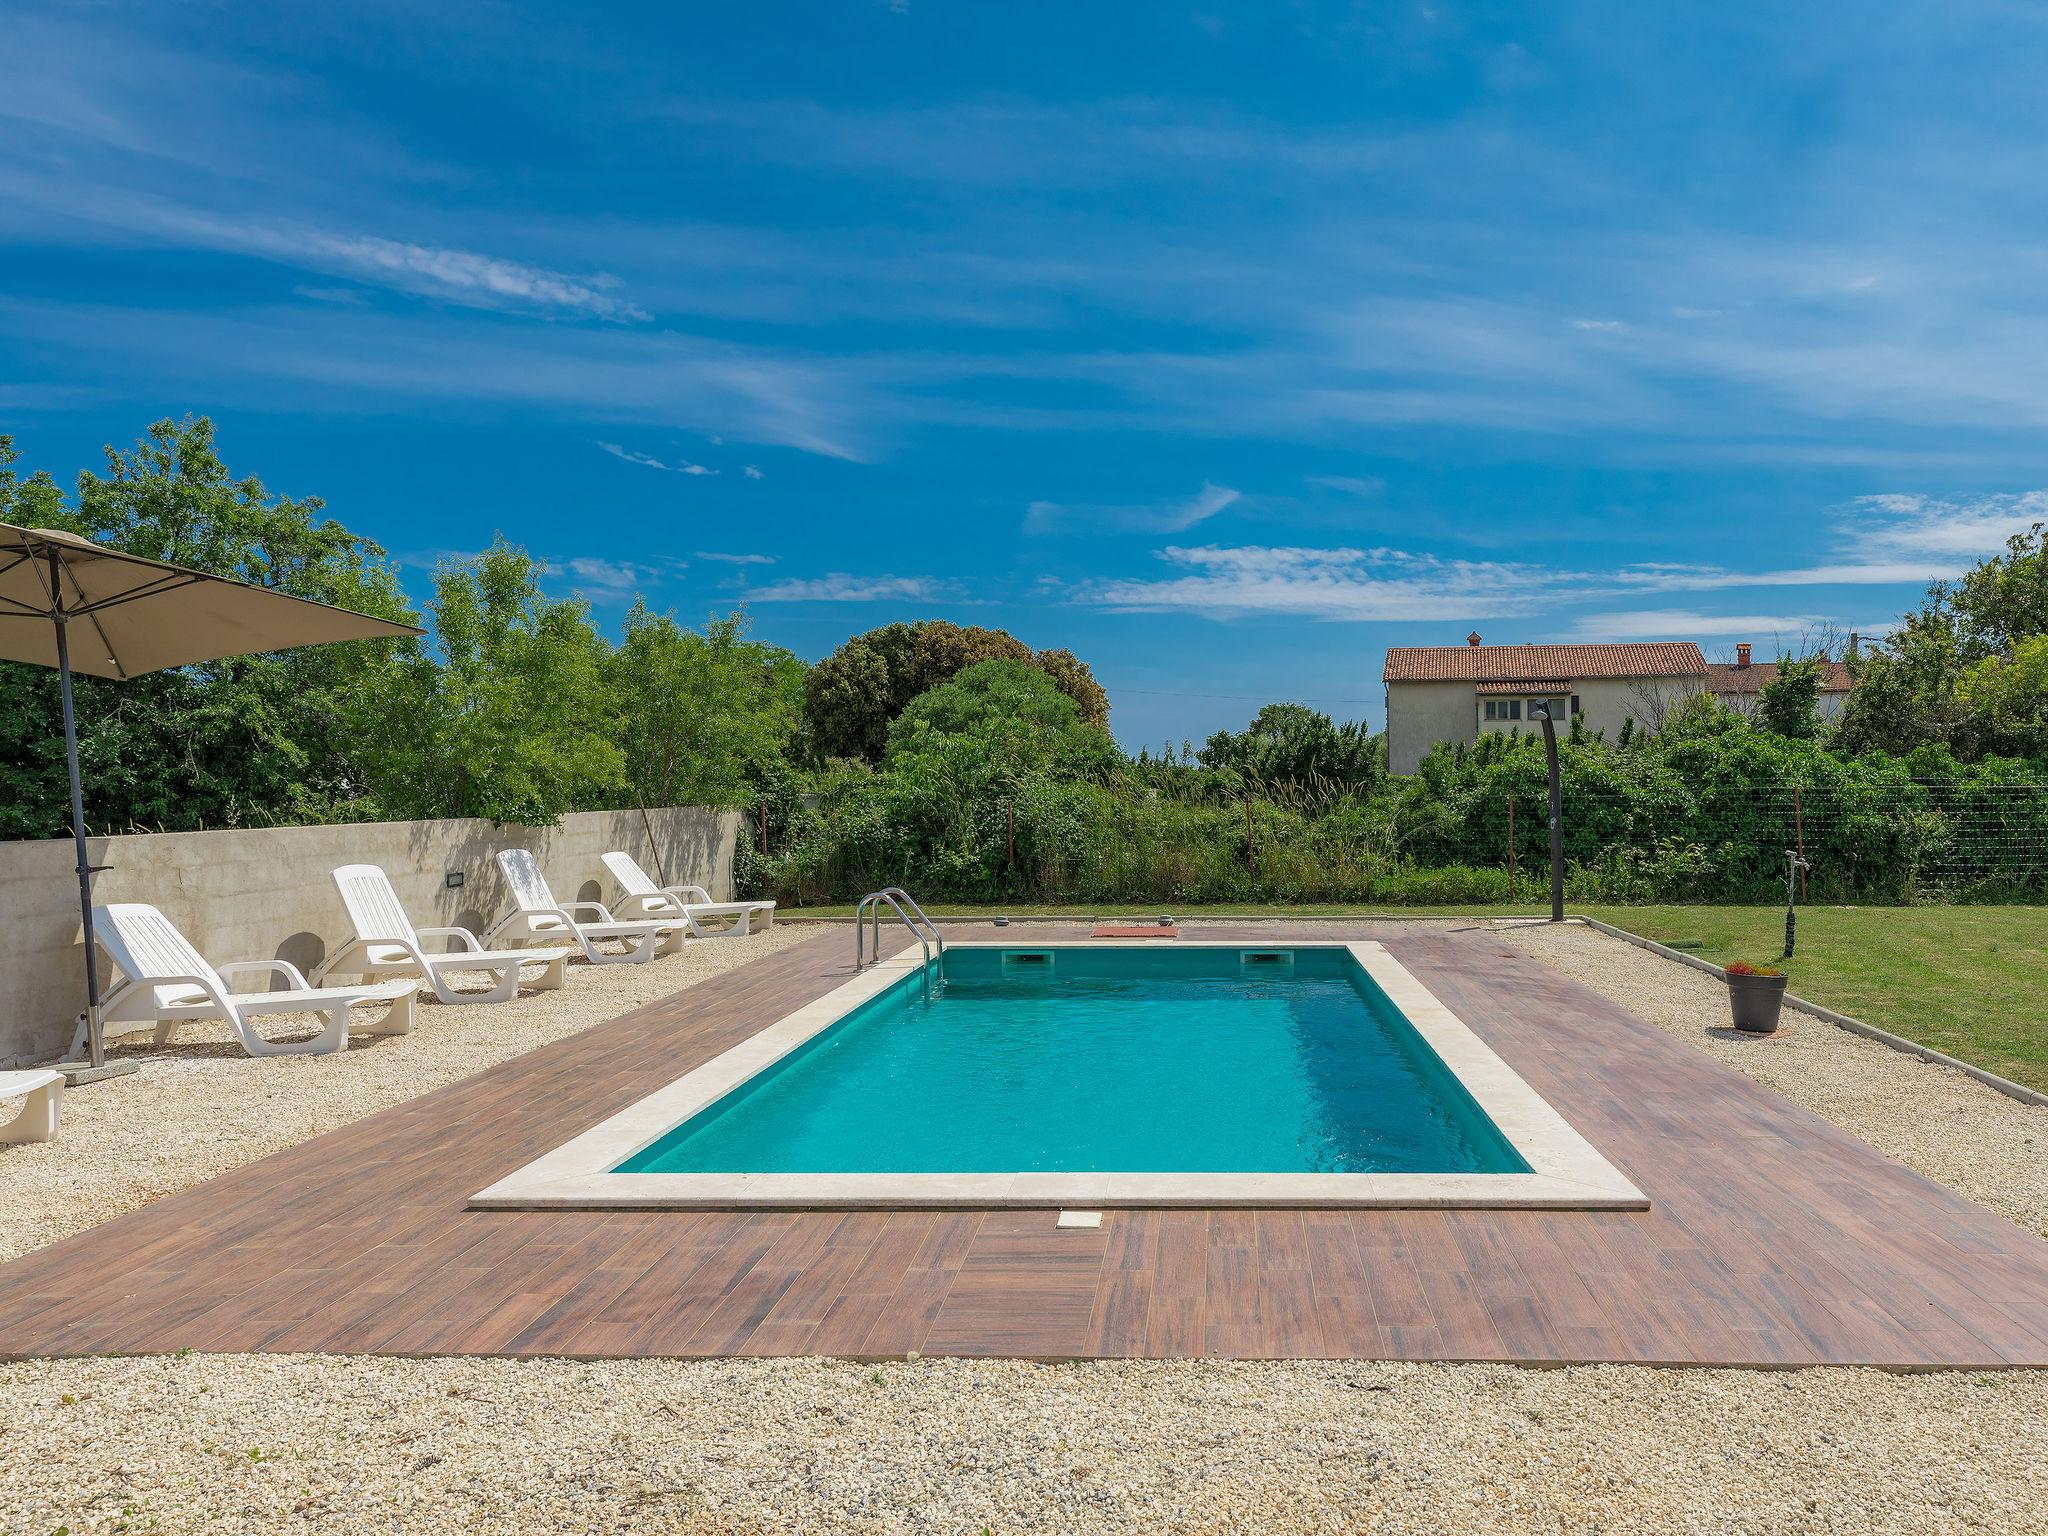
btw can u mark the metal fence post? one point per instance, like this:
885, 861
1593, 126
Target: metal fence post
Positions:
1556, 819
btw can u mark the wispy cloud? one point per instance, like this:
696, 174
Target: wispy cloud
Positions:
1881, 540
655, 378
468, 276
1692, 624
751, 472
1350, 485
1176, 516
841, 588
471, 278
1885, 541
1361, 585
648, 461
614, 578
725, 559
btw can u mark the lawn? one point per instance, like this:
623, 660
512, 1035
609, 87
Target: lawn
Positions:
1971, 981
1965, 980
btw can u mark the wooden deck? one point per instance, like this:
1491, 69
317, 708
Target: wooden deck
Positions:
1773, 1237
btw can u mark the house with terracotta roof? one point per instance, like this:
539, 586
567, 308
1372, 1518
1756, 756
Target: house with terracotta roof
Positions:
1458, 693
1737, 684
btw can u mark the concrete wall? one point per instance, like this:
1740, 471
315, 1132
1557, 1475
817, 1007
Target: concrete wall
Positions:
1419, 715
266, 893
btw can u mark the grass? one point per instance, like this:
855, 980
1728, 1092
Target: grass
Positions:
1966, 980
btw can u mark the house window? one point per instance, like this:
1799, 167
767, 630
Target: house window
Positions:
1503, 709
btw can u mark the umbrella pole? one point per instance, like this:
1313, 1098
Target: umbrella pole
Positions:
92, 959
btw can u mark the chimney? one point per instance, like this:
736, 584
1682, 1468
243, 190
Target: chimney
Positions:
1742, 653
1473, 638
1854, 641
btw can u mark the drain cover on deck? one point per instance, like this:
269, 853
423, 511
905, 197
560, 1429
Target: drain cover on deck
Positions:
1079, 1219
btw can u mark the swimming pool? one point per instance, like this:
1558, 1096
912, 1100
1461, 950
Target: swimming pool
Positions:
1103, 1074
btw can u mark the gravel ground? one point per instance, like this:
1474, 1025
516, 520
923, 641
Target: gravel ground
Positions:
332, 1444
294, 1443
201, 1106
1932, 1118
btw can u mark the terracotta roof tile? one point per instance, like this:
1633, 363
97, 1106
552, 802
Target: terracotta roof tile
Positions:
1726, 677
1522, 685
1541, 663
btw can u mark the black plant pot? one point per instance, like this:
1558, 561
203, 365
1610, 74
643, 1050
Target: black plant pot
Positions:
1756, 1002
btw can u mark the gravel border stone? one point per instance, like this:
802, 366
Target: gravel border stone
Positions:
313, 1443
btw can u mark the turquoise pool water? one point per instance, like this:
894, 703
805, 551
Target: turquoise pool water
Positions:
1113, 1060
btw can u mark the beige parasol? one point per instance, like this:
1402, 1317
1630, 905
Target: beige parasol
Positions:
77, 606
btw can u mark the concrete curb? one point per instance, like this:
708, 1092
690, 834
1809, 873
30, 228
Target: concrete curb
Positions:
2006, 1086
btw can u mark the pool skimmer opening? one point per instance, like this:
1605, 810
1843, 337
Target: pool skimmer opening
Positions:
1075, 1219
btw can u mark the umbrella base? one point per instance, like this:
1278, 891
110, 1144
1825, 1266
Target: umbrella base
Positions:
76, 1072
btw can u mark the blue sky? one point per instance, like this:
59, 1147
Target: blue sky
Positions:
1225, 344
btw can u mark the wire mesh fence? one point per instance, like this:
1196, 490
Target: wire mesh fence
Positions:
1665, 841
1934, 841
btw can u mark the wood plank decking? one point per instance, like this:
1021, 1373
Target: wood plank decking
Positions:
1773, 1237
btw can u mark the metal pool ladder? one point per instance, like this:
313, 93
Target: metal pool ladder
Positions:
923, 928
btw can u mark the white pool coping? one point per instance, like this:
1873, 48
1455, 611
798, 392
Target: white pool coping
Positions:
1567, 1173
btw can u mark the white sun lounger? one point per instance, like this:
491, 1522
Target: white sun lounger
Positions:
38, 1118
688, 902
537, 915
166, 982
387, 944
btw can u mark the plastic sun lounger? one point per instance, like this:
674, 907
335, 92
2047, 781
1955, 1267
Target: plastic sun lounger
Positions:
688, 902
166, 982
387, 944
38, 1118
539, 916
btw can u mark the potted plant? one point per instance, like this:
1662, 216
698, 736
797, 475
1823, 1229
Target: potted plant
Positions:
1756, 993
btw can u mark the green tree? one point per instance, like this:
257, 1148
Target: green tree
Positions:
998, 722
509, 717
706, 716
1789, 704
1909, 693
1293, 744
2003, 600
248, 739
851, 696
2006, 700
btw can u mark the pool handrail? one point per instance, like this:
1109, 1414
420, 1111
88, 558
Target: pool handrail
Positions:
922, 928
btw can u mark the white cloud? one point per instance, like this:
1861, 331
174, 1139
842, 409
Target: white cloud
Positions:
1359, 585
1175, 516
611, 578
1882, 540
841, 588
1690, 624
722, 559
1599, 325
1350, 485
1924, 525
752, 473
466, 275
648, 461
